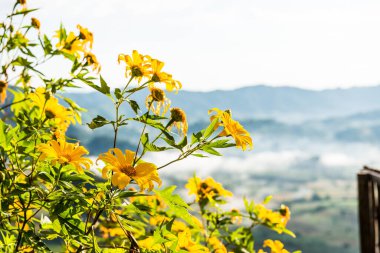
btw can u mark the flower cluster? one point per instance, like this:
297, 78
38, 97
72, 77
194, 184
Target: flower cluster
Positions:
79, 45
140, 66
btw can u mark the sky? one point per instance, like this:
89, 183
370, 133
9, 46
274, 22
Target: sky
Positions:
226, 44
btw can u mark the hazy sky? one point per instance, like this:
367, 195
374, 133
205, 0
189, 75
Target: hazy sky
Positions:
224, 44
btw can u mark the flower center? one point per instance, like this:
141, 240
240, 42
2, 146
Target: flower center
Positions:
3, 84
156, 78
129, 170
49, 114
158, 94
177, 115
136, 71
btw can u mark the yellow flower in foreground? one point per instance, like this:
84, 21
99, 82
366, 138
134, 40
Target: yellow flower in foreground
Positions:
86, 36
162, 77
137, 65
157, 101
60, 115
217, 245
70, 45
232, 128
178, 119
275, 246
65, 153
143, 173
3, 90
206, 189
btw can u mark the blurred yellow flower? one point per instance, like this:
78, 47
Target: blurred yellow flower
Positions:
143, 173
275, 246
206, 189
91, 60
150, 243
60, 115
137, 65
232, 128
3, 90
110, 232
162, 77
70, 45
65, 153
35, 23
178, 119
276, 220
217, 245
86, 36
157, 101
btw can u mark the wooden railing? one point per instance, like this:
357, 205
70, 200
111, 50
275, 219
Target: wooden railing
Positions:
369, 209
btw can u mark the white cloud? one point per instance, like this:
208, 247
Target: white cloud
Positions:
224, 44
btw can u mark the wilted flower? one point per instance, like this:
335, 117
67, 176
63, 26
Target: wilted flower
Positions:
156, 101
178, 119
36, 23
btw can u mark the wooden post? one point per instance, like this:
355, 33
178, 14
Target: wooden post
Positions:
366, 213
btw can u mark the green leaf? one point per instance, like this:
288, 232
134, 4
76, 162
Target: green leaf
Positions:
196, 137
97, 122
267, 199
150, 146
105, 89
210, 129
211, 151
220, 144
56, 226
199, 155
134, 105
117, 93
176, 204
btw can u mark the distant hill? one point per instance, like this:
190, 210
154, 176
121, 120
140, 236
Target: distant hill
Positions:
285, 104
287, 114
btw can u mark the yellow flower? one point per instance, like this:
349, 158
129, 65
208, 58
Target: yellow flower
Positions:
137, 65
162, 77
217, 245
70, 45
150, 243
206, 189
276, 220
232, 128
143, 173
156, 101
86, 35
178, 119
3, 91
65, 153
285, 213
111, 232
275, 246
36, 23
58, 114
91, 60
